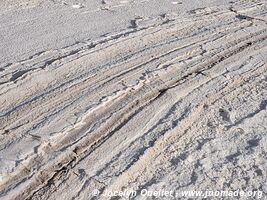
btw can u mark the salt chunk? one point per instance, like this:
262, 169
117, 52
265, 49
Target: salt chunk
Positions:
77, 6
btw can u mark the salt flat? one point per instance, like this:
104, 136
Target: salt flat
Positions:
133, 95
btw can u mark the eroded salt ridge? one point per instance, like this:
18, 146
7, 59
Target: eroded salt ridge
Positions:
176, 102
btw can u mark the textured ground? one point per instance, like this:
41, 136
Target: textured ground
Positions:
162, 98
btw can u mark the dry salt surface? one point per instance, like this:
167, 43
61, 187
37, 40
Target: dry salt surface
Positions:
109, 95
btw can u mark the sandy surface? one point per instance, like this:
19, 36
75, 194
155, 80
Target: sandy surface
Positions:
132, 95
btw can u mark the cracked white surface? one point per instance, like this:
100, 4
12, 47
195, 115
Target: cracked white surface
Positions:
120, 95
